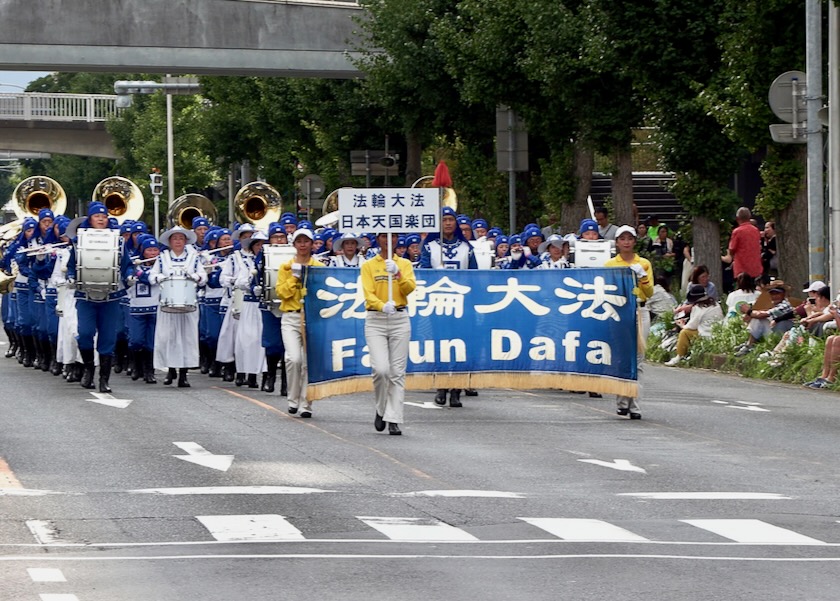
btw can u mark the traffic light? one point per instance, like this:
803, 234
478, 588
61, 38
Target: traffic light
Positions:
156, 184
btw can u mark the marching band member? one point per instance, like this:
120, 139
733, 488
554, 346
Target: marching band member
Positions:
200, 227
248, 350
347, 252
272, 338
291, 289
52, 284
479, 228
554, 253
216, 298
143, 310
42, 265
388, 331
225, 351
412, 249
24, 286
67, 349
99, 319
176, 334
502, 247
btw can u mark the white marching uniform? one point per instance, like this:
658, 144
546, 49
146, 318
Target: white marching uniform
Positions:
176, 334
248, 349
226, 351
342, 261
67, 349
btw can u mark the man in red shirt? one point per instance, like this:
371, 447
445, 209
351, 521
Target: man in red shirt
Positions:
745, 246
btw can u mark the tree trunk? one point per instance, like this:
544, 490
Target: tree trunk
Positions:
413, 151
706, 243
792, 237
573, 213
622, 187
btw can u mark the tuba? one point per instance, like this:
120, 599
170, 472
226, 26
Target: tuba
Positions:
257, 203
121, 197
30, 196
330, 211
450, 199
185, 208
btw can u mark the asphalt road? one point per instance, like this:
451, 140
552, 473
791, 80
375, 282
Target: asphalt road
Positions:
726, 489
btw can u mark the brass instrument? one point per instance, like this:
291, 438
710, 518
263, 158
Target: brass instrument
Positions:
30, 196
43, 249
450, 199
121, 196
258, 203
330, 216
185, 208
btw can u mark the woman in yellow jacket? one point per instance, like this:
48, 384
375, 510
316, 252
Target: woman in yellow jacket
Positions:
387, 284
291, 290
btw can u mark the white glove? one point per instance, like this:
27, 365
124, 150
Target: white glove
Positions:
297, 270
389, 308
391, 267
527, 251
156, 278
639, 271
258, 290
516, 255
195, 277
130, 280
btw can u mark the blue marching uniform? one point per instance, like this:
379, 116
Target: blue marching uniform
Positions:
272, 339
142, 321
25, 318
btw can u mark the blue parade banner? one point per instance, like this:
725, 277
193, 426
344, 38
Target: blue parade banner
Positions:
522, 329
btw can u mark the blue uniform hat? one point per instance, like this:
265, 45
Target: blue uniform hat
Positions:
113, 223
401, 241
200, 222
225, 231
530, 233
463, 220
138, 227
448, 212
502, 240
97, 208
212, 236
288, 220
305, 225
588, 225
29, 223
44, 213
479, 223
149, 242
289, 214
412, 239
319, 236
276, 228
515, 239
125, 228
494, 232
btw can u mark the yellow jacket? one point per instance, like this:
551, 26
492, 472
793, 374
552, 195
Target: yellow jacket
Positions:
644, 290
291, 290
375, 283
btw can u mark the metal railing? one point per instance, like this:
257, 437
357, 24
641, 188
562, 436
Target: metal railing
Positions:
34, 106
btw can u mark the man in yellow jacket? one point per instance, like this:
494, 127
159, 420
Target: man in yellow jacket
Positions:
291, 290
387, 284
625, 241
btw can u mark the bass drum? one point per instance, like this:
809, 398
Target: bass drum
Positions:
178, 294
98, 262
274, 256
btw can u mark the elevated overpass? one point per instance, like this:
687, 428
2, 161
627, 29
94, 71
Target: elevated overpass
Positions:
291, 38
58, 123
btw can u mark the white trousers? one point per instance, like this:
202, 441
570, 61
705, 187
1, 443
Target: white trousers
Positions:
387, 338
297, 375
628, 402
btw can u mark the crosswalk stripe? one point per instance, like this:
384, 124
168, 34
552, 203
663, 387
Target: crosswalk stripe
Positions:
584, 530
232, 528
416, 529
753, 531
46, 575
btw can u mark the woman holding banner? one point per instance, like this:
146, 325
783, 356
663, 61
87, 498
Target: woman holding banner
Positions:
387, 284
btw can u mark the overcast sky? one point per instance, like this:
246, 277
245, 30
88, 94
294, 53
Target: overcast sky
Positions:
18, 78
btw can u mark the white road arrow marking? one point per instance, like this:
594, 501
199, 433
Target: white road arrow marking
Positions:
201, 456
618, 464
103, 398
424, 405
489, 494
748, 408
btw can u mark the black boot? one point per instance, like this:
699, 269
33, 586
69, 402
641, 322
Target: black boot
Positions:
240, 378
170, 376
283, 390
105, 364
270, 376
87, 374
10, 352
135, 358
182, 378
440, 397
215, 370
55, 366
21, 351
47, 357
148, 366
203, 358
40, 355
252, 381
28, 351
120, 355
229, 371
455, 397
74, 374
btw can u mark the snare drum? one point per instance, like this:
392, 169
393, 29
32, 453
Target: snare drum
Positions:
178, 294
274, 256
98, 262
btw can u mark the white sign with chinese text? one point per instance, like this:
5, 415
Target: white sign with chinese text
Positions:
399, 210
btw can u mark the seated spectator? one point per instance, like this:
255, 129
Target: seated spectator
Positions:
741, 299
662, 301
700, 276
831, 357
807, 307
705, 311
779, 318
814, 324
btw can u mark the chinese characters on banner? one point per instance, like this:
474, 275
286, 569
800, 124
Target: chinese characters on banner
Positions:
403, 210
484, 328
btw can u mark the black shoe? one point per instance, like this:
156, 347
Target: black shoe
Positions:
87, 374
455, 397
240, 379
105, 364
252, 381
635, 416
215, 370
228, 372
306, 414
182, 378
470, 392
622, 411
74, 373
595, 395
292, 410
440, 397
170, 376
393, 429
378, 423
137, 370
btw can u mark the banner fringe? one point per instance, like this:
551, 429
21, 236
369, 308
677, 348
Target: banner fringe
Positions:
482, 380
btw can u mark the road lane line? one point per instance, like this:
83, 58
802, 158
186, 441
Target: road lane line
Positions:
44, 531
46, 575
754, 532
269, 527
57, 597
582, 530
707, 496
7, 476
417, 472
416, 529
